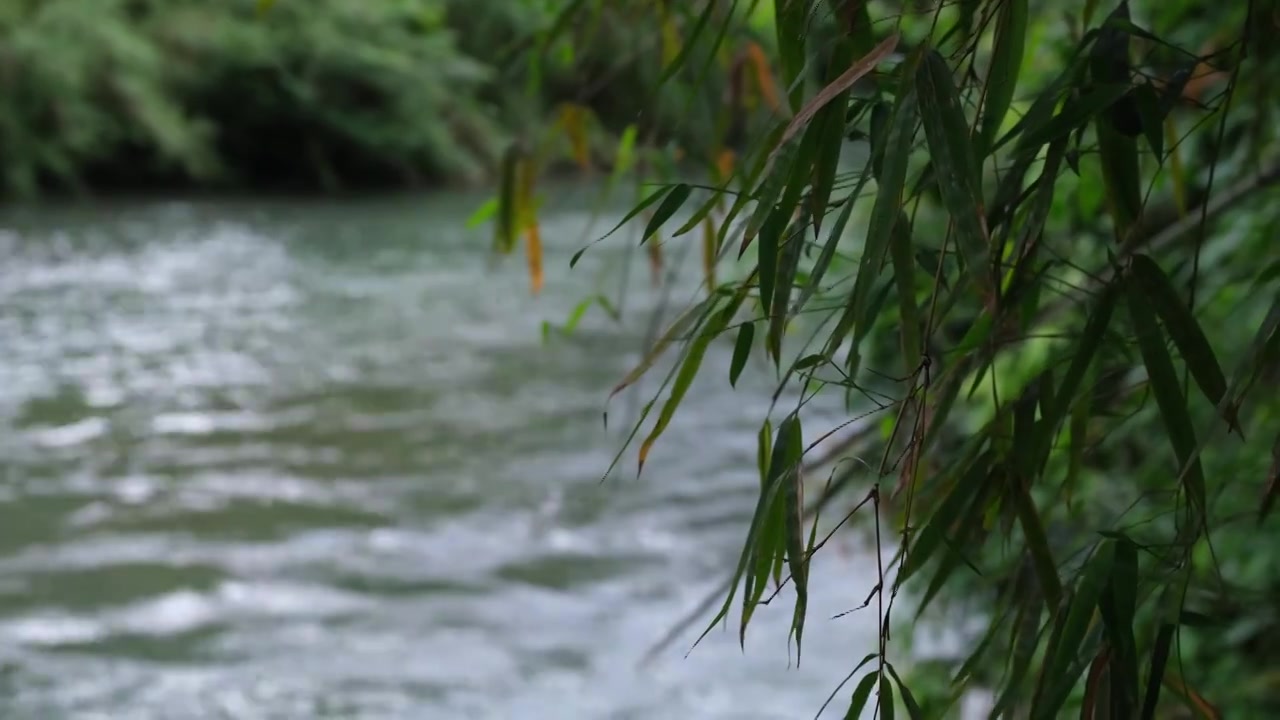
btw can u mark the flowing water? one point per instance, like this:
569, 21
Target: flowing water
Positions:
277, 459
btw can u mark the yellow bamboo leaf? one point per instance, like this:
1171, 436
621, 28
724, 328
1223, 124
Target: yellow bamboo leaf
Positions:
709, 252
533, 248
573, 119
724, 165
762, 75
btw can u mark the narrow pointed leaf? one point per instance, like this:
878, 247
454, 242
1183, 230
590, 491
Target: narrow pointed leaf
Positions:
1183, 328
1063, 669
671, 203
1168, 392
1006, 63
741, 351
862, 693
913, 707
887, 706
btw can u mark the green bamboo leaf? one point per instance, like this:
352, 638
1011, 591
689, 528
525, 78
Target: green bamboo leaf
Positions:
1062, 669
829, 126
774, 539
1159, 661
861, 694
1037, 542
913, 707
700, 214
764, 450
508, 201
790, 18
886, 698
963, 491
788, 263
1085, 351
1119, 607
682, 57
1006, 63
771, 190
767, 549
767, 257
835, 234
671, 203
741, 351
765, 506
1184, 329
1168, 392
884, 215
904, 272
688, 371
954, 161
1109, 64
1151, 112
797, 561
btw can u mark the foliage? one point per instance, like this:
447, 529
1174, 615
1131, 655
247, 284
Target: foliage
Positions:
1037, 244
111, 93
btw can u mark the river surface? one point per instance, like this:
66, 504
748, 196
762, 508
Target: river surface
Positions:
279, 459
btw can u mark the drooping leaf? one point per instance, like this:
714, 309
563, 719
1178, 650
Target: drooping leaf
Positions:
884, 215
1006, 64
954, 162
887, 706
671, 203
741, 351
788, 263
1169, 399
913, 708
1184, 329
1062, 669
797, 561
835, 234
861, 694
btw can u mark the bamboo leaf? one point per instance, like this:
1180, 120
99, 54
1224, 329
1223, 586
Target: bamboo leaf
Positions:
797, 561
834, 235
884, 215
741, 351
904, 272
954, 161
1006, 63
913, 707
953, 506
508, 200
1168, 392
861, 694
1159, 661
671, 203
1184, 330
767, 258
682, 57
1085, 351
846, 80
1062, 669
886, 698
788, 263
1037, 542
1119, 607
688, 370
1109, 64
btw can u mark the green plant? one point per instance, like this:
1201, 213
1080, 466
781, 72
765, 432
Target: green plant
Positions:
1034, 242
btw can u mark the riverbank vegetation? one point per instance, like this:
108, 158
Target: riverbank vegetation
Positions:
114, 95
1032, 245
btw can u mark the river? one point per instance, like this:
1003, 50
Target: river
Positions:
285, 459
